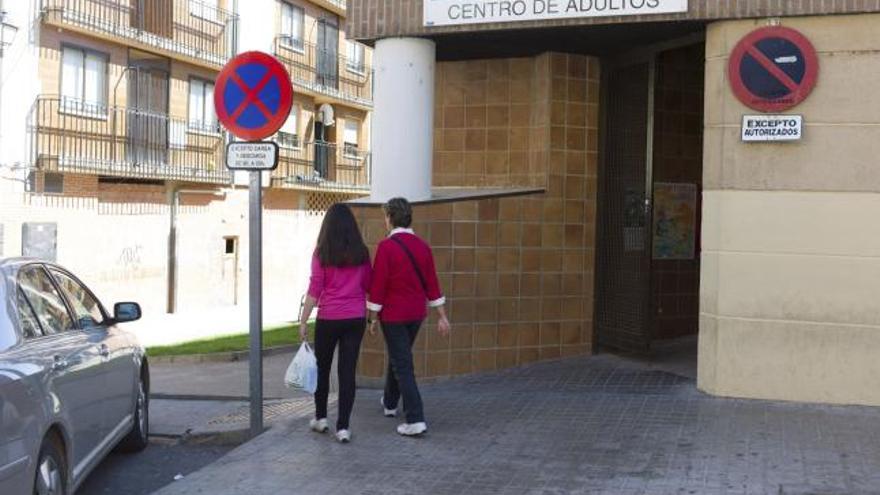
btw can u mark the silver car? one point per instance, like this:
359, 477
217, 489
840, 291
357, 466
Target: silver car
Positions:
73, 384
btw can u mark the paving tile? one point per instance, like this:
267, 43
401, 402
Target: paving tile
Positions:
578, 426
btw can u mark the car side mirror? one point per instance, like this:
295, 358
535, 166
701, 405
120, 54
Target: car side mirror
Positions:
125, 312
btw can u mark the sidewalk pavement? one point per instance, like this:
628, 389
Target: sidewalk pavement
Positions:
213, 380
164, 329
585, 425
208, 401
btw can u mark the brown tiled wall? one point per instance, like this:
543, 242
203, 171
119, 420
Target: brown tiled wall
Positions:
678, 157
517, 271
373, 19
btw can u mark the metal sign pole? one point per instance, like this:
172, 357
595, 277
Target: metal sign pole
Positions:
254, 156
256, 302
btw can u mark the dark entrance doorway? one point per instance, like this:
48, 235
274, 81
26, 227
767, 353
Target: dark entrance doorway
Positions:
647, 258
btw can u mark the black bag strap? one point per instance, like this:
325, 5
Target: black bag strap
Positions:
412, 260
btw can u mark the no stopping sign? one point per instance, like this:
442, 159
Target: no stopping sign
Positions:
773, 69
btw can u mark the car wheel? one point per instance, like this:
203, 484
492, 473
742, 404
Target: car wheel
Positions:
137, 439
50, 478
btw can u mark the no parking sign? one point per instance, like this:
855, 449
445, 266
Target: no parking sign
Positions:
773, 69
252, 99
253, 96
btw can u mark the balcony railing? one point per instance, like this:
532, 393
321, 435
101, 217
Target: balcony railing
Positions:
323, 166
339, 3
326, 72
189, 28
72, 136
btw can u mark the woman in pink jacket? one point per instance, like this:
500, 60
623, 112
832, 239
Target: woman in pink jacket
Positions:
338, 286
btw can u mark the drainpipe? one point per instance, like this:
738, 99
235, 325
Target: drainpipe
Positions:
173, 206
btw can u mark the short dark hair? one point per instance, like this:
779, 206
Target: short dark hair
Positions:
399, 212
340, 242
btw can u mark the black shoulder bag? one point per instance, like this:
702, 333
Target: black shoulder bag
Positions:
412, 260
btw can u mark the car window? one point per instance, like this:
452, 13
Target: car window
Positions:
86, 307
30, 326
44, 298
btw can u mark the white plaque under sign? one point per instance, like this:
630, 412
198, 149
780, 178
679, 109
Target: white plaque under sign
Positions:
457, 12
772, 127
255, 156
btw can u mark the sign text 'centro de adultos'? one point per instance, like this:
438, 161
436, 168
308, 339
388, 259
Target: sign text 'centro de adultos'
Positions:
458, 12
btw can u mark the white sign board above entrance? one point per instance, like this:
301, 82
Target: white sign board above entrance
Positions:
772, 127
458, 12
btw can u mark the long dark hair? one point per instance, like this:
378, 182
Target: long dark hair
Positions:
340, 242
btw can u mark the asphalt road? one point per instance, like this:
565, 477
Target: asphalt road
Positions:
149, 470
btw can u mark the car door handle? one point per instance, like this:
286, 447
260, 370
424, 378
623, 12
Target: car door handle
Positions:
104, 351
60, 364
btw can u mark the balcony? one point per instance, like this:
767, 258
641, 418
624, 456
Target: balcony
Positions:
338, 7
322, 166
75, 137
322, 73
190, 29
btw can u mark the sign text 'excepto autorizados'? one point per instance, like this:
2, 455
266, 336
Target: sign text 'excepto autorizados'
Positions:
772, 127
456, 12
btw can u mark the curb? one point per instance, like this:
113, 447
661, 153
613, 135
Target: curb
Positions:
228, 437
218, 357
198, 397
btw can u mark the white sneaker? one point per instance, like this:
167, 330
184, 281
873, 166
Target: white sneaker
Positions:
412, 429
344, 436
319, 425
389, 413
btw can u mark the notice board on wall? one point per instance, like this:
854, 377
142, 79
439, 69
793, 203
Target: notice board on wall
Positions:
675, 221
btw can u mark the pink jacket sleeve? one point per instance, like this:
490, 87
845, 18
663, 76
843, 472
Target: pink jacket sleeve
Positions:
316, 280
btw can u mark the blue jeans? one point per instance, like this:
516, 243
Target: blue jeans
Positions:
401, 378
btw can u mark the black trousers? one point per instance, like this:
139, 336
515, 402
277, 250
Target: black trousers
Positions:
400, 378
348, 334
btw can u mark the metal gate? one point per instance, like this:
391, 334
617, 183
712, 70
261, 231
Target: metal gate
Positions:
623, 255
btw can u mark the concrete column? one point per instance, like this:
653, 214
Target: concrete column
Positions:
403, 118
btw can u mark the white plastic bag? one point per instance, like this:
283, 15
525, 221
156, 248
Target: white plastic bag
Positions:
303, 370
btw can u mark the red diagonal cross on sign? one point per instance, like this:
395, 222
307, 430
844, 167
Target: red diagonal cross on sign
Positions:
772, 68
251, 96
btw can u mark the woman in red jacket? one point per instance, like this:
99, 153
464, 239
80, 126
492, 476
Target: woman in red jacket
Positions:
404, 282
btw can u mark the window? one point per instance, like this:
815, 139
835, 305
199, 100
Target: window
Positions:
229, 244
53, 183
288, 135
201, 106
27, 319
355, 61
83, 81
44, 299
350, 138
292, 20
85, 306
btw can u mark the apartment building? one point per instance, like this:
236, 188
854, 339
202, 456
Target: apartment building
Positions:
112, 159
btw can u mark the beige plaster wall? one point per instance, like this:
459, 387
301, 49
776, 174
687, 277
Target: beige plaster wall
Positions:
791, 247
